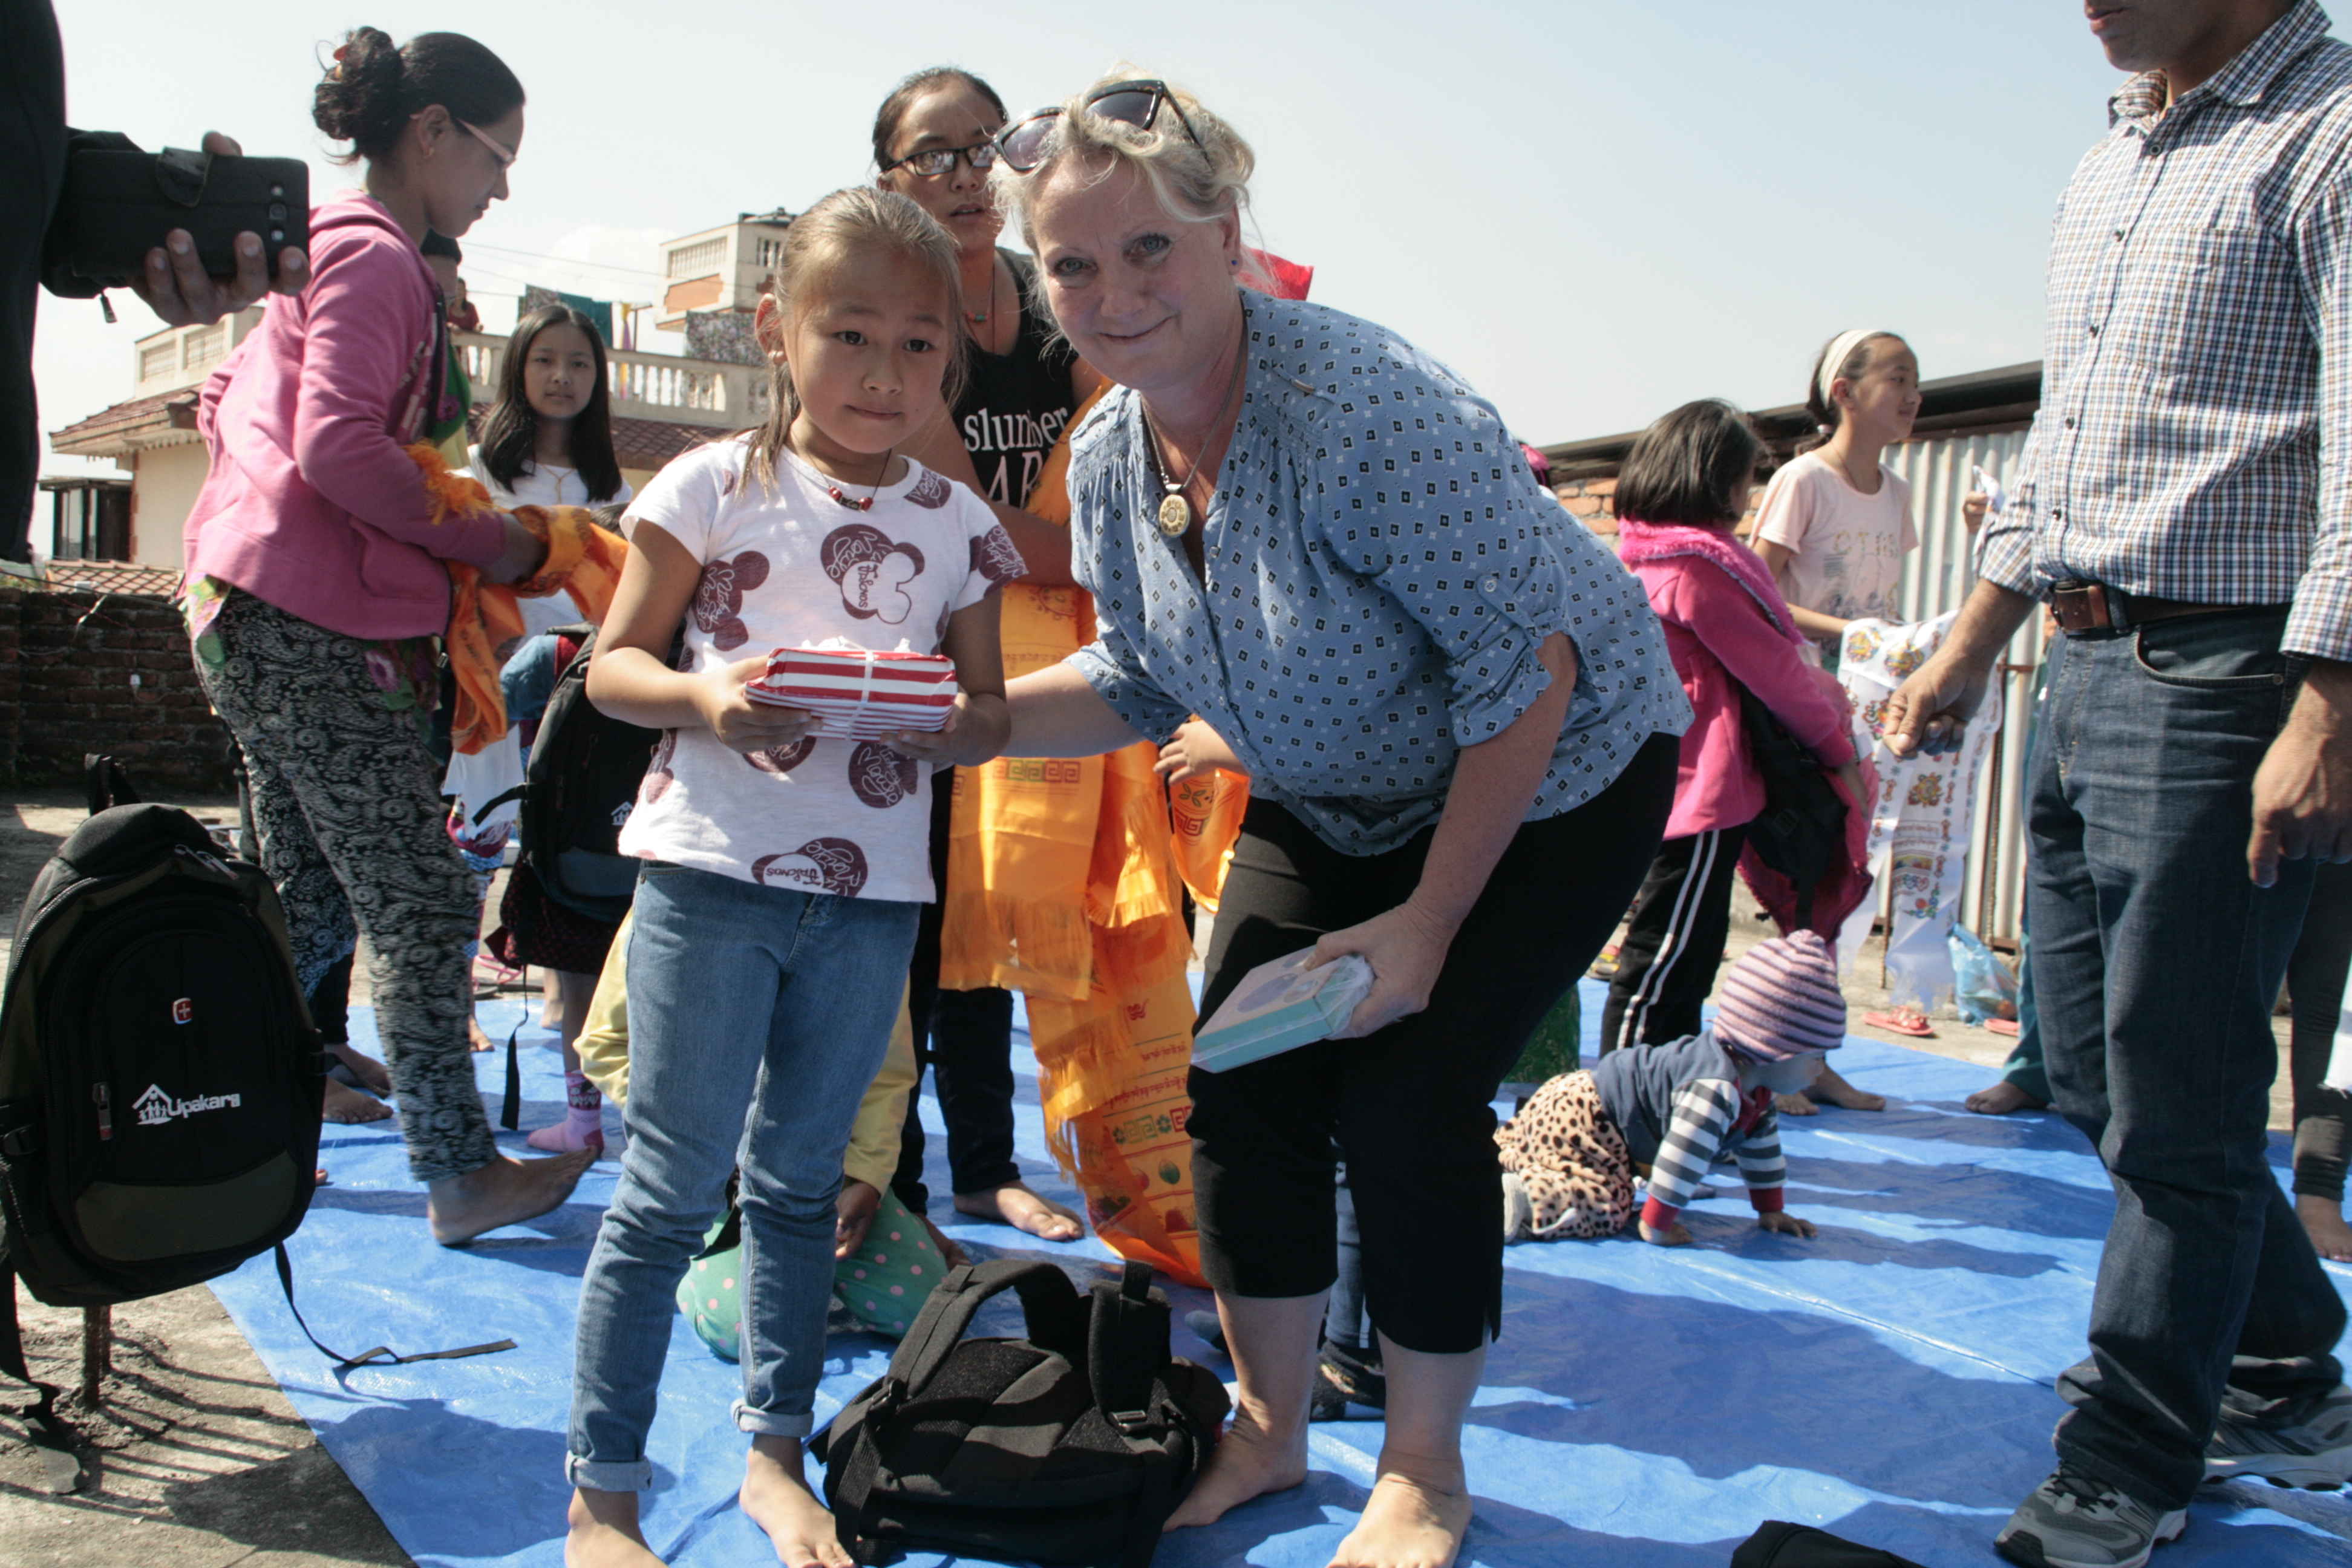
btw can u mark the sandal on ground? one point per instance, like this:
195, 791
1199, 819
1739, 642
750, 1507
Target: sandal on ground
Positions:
1901, 1021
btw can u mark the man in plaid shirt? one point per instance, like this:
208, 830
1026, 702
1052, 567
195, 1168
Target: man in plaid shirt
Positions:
2185, 506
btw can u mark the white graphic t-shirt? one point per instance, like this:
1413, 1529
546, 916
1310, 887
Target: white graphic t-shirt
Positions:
1848, 547
782, 566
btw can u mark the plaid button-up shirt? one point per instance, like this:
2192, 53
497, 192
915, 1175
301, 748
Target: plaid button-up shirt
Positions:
2195, 437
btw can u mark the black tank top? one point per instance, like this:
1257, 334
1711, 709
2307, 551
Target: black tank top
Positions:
1014, 404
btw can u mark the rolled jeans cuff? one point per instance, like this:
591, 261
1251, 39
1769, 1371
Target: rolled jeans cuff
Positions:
636, 1476
771, 1423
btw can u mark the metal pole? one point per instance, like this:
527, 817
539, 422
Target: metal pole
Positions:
96, 1353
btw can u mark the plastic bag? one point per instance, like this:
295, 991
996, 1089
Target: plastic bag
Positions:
1983, 984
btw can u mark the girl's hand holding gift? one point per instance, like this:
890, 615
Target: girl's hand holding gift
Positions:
740, 723
975, 732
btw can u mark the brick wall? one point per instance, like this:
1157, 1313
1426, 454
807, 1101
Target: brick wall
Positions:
66, 665
1592, 502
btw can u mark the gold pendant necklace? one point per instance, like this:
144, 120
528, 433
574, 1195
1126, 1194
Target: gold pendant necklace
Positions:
1175, 513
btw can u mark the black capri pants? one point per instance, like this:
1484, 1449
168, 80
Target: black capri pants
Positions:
1410, 1107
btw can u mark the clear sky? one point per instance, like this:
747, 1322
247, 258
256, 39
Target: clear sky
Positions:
1594, 209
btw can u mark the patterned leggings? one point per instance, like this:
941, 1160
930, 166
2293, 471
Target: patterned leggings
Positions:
347, 801
1572, 1160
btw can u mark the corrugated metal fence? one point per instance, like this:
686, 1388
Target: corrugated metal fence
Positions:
1937, 578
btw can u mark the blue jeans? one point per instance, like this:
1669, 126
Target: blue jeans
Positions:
758, 1017
2155, 962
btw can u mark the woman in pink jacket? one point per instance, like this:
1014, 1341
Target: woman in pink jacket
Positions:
1684, 488
317, 582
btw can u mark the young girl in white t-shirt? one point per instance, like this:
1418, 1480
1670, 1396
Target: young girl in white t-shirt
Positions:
547, 441
1836, 522
775, 914
1834, 527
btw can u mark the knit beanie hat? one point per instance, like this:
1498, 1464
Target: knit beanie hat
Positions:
1781, 1000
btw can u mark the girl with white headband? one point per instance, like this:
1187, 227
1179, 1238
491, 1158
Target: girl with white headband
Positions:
1835, 525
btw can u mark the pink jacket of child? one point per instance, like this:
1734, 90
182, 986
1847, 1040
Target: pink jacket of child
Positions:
1728, 627
311, 505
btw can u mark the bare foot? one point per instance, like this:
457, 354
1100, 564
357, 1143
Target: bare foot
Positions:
602, 1532
1247, 1462
1794, 1105
1407, 1523
2323, 1221
349, 1108
475, 1037
1023, 1210
777, 1498
373, 1076
2003, 1097
1832, 1089
504, 1192
563, 1137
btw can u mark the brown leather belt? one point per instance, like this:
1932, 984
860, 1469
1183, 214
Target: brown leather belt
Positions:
2095, 607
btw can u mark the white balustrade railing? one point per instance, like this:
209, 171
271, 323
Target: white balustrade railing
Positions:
645, 386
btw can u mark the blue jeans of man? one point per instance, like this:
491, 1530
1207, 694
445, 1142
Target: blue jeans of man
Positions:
2156, 960
758, 1017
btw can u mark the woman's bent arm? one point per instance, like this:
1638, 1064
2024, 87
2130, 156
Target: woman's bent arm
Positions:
1056, 713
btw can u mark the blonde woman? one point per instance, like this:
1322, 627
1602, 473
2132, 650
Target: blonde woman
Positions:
1457, 716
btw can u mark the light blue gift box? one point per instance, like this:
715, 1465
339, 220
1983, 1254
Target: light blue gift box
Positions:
1280, 1006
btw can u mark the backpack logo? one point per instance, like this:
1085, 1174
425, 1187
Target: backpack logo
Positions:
621, 813
182, 1010
157, 1108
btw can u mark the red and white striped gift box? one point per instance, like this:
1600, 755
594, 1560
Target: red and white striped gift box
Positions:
859, 692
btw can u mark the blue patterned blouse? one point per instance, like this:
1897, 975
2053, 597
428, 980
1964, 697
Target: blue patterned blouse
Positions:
1382, 571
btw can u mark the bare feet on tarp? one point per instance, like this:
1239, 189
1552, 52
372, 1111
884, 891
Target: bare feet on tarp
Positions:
1409, 1521
2002, 1099
1247, 1462
373, 1076
600, 1532
504, 1192
1023, 1210
1794, 1105
475, 1037
1830, 1090
348, 1107
2323, 1221
777, 1498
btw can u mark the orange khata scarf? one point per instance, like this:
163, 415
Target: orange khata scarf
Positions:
1064, 882
485, 623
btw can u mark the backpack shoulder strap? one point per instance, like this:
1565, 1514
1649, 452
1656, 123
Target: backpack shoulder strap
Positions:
381, 1355
1126, 1346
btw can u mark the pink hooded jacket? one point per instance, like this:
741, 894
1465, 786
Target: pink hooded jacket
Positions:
1708, 590
311, 505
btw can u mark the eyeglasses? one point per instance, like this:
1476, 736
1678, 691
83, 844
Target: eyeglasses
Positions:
505, 155
933, 162
1022, 145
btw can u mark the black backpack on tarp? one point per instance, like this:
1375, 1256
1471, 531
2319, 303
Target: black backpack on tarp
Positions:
1777, 1543
1070, 1446
577, 791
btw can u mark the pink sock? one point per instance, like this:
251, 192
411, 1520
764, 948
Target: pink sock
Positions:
587, 1103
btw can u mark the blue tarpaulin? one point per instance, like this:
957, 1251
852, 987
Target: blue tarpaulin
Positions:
1891, 1380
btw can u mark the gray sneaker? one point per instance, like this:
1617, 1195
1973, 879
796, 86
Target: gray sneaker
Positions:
2315, 1453
2071, 1521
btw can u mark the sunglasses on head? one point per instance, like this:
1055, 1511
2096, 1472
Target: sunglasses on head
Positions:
1021, 144
933, 162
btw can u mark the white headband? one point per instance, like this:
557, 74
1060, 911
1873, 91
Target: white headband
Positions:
1840, 348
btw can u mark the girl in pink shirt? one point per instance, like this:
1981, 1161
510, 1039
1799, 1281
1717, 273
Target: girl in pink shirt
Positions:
1684, 488
318, 580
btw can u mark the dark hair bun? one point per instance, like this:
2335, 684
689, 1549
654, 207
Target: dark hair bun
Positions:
358, 101
374, 88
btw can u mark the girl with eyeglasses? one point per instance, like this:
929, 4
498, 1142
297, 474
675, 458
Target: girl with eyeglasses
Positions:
1458, 719
318, 581
932, 143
